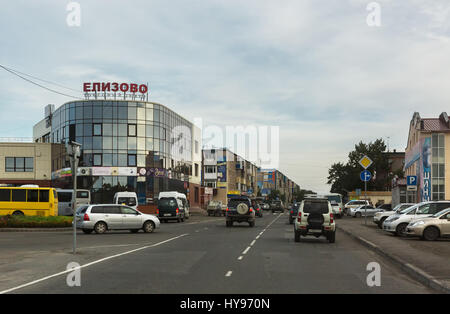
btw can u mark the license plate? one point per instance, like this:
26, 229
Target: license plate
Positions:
315, 230
165, 215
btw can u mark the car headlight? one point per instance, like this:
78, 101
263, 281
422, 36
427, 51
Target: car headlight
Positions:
418, 223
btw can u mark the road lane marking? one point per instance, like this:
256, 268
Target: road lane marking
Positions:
240, 257
253, 243
91, 263
228, 274
246, 250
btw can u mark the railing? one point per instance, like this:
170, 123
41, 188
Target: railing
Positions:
16, 139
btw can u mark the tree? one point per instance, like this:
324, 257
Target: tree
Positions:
345, 177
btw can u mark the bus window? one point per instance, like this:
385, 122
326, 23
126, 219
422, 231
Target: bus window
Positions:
43, 196
19, 195
82, 194
32, 196
5, 195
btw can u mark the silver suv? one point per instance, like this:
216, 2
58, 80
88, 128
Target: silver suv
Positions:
103, 217
315, 217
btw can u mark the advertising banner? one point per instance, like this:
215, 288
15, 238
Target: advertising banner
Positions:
222, 172
425, 166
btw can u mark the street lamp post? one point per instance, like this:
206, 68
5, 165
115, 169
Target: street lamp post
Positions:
73, 150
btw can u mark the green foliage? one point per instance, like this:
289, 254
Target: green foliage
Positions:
35, 222
344, 178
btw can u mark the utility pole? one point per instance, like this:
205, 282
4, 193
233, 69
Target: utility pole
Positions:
74, 151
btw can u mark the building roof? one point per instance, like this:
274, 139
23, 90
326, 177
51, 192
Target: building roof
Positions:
434, 125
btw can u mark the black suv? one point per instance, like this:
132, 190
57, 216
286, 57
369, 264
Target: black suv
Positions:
240, 210
276, 206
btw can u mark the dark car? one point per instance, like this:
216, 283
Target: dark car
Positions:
385, 207
170, 208
293, 212
258, 208
240, 210
276, 206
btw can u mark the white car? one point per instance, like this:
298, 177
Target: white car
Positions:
363, 210
380, 217
354, 204
397, 223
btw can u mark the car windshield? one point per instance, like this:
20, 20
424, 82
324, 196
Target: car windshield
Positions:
167, 202
408, 209
315, 206
334, 199
130, 201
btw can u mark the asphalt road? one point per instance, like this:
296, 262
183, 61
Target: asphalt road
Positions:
201, 256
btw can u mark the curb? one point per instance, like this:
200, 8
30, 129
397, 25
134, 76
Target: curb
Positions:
414, 272
35, 229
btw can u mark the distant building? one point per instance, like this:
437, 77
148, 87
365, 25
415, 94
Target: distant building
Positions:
428, 157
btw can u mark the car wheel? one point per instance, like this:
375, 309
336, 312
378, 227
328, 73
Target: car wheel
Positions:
332, 237
380, 224
88, 231
229, 223
18, 213
149, 227
431, 233
100, 227
358, 215
401, 228
251, 223
297, 236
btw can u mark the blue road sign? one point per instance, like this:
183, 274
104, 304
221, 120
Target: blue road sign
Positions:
411, 180
365, 175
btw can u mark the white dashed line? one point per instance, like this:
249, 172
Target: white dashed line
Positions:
228, 274
246, 250
240, 257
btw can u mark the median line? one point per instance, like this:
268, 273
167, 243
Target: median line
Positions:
90, 264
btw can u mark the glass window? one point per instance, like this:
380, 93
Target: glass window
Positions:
9, 164
149, 114
87, 111
19, 195
107, 142
123, 129
141, 113
141, 130
5, 195
131, 129
141, 143
97, 159
132, 160
123, 113
43, 195
131, 113
132, 143
97, 129
107, 160
149, 144
87, 143
107, 129
156, 131
155, 115
128, 210
79, 112
33, 195
20, 164
97, 142
122, 142
149, 130
97, 111
107, 112
29, 164
122, 160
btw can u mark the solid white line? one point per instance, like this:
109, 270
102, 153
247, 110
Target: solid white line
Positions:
89, 264
253, 243
228, 274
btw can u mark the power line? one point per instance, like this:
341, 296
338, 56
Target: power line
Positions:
37, 84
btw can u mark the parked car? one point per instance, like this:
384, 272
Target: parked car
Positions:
240, 210
276, 206
385, 206
293, 212
170, 208
265, 206
354, 204
380, 217
215, 208
431, 228
397, 223
364, 210
103, 217
315, 217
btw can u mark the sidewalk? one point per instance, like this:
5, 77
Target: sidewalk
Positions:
428, 262
197, 211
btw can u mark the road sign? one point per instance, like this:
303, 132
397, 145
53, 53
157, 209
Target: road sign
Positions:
365, 162
411, 183
365, 175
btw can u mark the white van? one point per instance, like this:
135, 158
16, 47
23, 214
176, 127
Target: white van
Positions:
179, 196
126, 198
65, 200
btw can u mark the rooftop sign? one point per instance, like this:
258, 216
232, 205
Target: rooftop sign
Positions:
108, 90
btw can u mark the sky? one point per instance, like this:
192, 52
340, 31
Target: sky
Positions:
314, 68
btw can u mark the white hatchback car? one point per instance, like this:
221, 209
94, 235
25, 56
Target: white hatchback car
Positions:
103, 217
397, 223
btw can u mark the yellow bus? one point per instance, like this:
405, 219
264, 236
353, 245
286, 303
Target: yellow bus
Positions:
29, 201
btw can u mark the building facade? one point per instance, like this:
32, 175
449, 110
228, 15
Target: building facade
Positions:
125, 146
25, 163
427, 156
226, 173
274, 180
